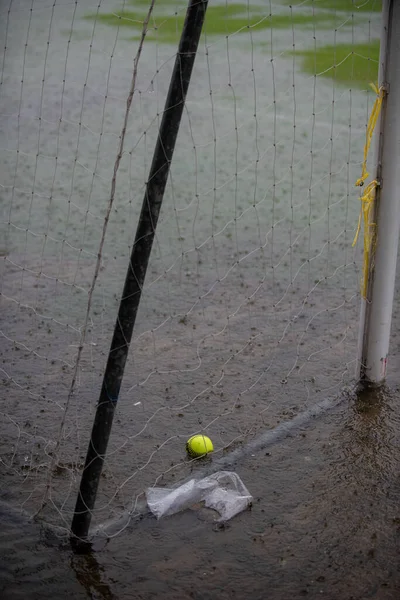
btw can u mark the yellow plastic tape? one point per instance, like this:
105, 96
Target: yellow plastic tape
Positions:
368, 197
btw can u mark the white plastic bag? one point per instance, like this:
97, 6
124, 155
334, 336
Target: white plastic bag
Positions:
223, 491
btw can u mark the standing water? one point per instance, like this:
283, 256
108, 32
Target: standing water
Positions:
249, 313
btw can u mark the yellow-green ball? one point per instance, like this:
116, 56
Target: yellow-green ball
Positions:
199, 445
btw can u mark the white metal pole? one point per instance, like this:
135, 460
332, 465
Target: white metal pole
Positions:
384, 39
376, 309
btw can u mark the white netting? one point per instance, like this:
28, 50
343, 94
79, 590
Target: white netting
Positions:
250, 307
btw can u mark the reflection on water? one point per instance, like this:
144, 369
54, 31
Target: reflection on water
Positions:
91, 576
368, 434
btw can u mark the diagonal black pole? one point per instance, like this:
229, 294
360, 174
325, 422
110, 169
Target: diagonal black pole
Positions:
136, 273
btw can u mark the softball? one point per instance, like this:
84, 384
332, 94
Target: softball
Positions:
199, 445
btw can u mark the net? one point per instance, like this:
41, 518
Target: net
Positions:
250, 305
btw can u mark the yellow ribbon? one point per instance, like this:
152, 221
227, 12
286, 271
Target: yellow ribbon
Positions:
368, 197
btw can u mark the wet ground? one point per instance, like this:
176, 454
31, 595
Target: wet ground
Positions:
325, 523
248, 318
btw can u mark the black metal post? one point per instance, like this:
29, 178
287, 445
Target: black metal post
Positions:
137, 270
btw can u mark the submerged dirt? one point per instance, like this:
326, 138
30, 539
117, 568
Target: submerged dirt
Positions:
325, 523
249, 316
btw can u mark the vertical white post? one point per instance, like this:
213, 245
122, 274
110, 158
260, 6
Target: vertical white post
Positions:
376, 308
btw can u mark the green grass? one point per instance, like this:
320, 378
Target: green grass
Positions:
356, 65
220, 20
345, 5
161, 19
169, 3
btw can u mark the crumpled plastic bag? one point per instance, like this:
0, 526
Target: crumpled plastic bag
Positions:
223, 491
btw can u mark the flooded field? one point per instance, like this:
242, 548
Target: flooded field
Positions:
249, 313
324, 523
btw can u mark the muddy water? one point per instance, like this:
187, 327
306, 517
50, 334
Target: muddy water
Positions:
242, 253
250, 309
325, 523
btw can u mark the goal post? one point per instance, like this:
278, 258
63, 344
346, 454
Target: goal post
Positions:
377, 305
